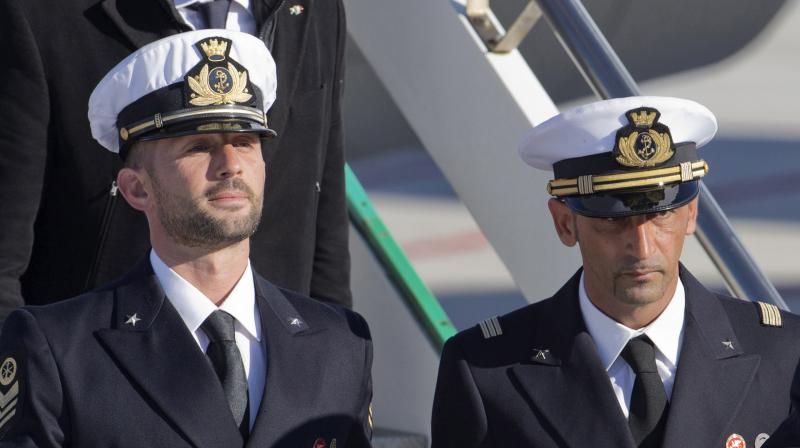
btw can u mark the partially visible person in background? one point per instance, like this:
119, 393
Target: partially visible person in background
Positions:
65, 229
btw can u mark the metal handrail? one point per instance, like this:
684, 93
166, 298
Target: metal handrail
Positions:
496, 40
415, 293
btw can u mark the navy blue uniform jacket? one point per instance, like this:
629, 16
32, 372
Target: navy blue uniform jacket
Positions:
495, 392
84, 378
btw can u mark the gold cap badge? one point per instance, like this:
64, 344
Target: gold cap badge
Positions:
216, 83
644, 141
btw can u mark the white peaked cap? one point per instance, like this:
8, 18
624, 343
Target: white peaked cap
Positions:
166, 62
592, 128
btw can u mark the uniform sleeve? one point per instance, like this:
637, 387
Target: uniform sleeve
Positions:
330, 278
31, 400
459, 418
362, 432
24, 114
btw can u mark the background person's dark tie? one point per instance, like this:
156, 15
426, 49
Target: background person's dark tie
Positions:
227, 362
215, 12
648, 410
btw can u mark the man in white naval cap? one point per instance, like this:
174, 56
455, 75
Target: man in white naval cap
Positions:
632, 351
191, 348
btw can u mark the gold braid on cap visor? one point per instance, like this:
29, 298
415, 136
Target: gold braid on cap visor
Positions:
220, 112
598, 183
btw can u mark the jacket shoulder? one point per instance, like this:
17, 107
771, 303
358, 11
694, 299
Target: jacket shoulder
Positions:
758, 314
329, 315
69, 315
505, 339
764, 330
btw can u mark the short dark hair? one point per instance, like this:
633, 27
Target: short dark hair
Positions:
134, 158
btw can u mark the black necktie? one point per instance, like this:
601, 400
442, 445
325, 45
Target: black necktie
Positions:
227, 362
215, 12
648, 410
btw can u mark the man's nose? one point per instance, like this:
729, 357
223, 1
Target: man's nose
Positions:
640, 238
228, 161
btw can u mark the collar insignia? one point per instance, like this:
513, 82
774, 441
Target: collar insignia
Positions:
295, 321
644, 141
218, 79
133, 319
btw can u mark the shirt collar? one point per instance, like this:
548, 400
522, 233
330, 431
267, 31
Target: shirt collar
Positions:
194, 307
610, 336
184, 3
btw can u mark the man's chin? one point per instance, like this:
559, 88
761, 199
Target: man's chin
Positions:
640, 293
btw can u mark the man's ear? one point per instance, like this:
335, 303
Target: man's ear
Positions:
564, 222
131, 184
692, 224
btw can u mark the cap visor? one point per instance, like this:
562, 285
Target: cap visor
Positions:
209, 127
635, 202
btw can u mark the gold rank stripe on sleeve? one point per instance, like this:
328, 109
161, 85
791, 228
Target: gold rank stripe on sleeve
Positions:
591, 184
491, 328
770, 315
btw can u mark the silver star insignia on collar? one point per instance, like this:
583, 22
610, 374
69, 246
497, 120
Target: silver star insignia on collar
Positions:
132, 320
728, 344
541, 354
295, 321
296, 10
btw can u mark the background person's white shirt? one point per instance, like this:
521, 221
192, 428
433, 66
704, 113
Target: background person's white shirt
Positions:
240, 16
194, 307
610, 337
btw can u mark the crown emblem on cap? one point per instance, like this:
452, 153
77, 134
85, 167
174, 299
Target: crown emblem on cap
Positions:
217, 83
214, 49
644, 141
642, 118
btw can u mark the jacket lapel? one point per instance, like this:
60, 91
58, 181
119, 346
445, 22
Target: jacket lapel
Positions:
143, 21
156, 350
568, 384
293, 376
713, 376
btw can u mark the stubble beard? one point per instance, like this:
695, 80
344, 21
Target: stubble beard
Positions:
186, 223
642, 293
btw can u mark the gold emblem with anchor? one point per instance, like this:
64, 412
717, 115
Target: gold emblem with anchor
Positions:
644, 141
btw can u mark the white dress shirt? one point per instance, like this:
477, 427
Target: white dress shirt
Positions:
610, 337
240, 16
194, 307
